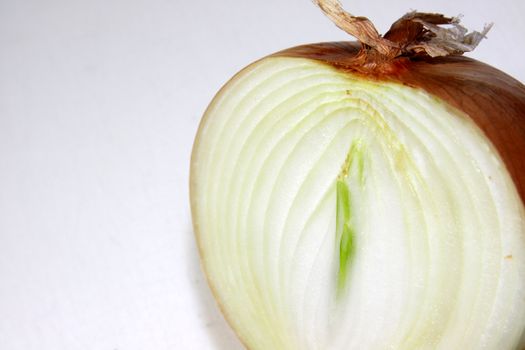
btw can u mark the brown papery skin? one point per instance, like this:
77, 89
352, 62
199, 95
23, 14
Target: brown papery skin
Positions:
492, 99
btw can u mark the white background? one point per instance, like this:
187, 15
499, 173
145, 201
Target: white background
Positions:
99, 104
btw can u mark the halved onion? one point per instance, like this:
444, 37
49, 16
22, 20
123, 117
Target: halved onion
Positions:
341, 207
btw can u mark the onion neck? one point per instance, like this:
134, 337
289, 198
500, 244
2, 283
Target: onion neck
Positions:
414, 34
372, 43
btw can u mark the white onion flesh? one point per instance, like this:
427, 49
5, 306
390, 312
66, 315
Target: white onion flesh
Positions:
439, 228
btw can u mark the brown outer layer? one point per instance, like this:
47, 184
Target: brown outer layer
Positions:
492, 99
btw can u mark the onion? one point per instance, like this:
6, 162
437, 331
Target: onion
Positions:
367, 195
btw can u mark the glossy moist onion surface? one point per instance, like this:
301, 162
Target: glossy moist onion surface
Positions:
337, 212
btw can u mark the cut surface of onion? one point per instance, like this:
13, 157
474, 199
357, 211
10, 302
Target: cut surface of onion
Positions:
334, 211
